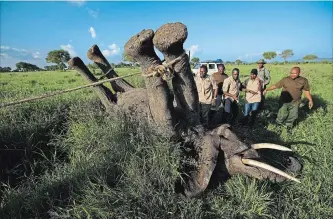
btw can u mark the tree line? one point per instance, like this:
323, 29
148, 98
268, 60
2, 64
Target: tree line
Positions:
271, 55
60, 57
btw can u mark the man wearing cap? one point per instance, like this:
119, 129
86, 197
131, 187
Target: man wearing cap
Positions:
292, 87
265, 78
205, 86
219, 77
252, 87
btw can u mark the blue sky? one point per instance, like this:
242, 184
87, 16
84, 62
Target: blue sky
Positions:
226, 30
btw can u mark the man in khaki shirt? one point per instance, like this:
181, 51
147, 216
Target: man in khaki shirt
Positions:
252, 87
290, 96
219, 77
231, 88
205, 86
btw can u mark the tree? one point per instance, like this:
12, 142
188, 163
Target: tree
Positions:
24, 66
325, 62
5, 69
93, 67
194, 61
58, 57
286, 54
310, 57
269, 55
238, 62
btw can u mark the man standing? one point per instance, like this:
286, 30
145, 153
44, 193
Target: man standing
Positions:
205, 86
291, 96
252, 87
265, 78
219, 77
231, 88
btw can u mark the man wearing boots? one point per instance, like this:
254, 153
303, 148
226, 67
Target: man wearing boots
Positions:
291, 96
252, 87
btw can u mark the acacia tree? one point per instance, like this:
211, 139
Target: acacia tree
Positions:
194, 61
269, 55
310, 57
59, 57
286, 54
238, 62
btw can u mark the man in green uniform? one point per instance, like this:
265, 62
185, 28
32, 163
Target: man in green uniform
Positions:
265, 76
290, 97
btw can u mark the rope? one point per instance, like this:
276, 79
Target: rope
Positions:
63, 91
163, 69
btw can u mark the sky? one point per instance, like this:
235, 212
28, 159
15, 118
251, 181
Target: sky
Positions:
226, 30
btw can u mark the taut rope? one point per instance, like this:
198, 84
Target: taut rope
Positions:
63, 91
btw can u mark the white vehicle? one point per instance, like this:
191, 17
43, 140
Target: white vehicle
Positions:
211, 66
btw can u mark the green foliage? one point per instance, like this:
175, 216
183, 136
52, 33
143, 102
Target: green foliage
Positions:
286, 54
5, 69
269, 55
238, 62
66, 158
195, 60
310, 57
24, 66
58, 57
325, 61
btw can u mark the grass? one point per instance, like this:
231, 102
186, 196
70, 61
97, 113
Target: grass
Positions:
62, 157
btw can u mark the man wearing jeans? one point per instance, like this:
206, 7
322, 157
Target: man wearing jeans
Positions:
252, 87
291, 96
205, 86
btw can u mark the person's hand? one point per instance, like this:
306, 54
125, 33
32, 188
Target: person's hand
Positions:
235, 97
214, 102
265, 92
310, 104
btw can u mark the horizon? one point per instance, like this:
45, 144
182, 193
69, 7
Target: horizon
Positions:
228, 30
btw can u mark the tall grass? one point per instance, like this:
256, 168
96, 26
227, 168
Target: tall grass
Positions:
65, 158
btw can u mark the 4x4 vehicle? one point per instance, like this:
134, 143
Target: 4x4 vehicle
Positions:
211, 66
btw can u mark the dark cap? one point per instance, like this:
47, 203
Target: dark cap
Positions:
254, 71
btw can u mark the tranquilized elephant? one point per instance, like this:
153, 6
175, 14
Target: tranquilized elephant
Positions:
174, 112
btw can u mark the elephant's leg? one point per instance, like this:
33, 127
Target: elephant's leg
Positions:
169, 39
140, 47
105, 95
95, 55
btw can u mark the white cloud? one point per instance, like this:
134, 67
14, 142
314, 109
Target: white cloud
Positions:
77, 2
3, 55
194, 49
92, 32
36, 55
19, 53
92, 13
112, 50
70, 49
5, 47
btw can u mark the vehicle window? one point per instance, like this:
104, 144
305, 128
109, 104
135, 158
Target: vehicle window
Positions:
211, 66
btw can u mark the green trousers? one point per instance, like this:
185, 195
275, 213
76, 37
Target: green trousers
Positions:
288, 113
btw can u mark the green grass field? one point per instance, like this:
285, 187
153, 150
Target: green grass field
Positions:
62, 157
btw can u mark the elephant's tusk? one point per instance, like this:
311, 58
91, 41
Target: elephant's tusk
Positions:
271, 146
269, 168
